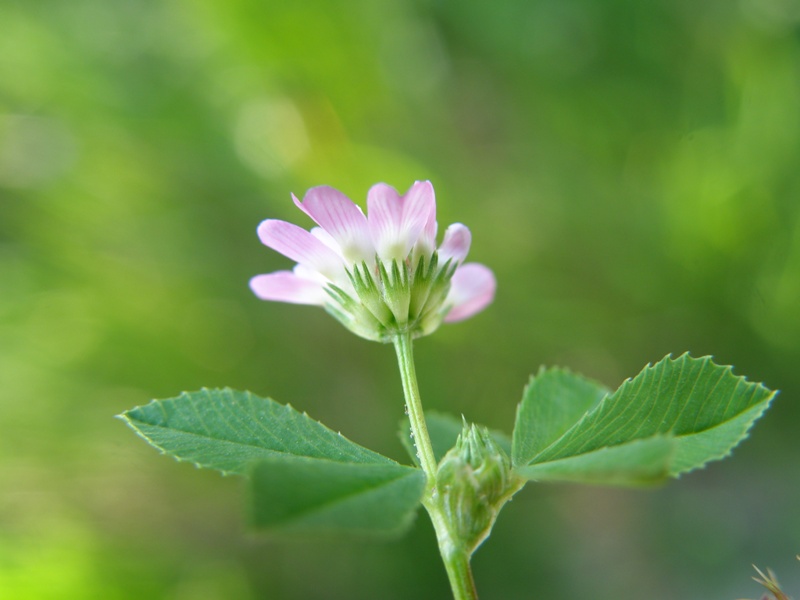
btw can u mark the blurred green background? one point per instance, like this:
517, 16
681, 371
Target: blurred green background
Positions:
630, 170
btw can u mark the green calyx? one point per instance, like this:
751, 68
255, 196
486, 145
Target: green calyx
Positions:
474, 480
392, 297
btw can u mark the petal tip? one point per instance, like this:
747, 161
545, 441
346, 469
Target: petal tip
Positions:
473, 288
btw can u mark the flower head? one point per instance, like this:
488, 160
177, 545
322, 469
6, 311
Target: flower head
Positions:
379, 274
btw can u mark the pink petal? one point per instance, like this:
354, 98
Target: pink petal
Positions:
419, 205
327, 239
285, 286
426, 243
304, 272
342, 283
343, 220
471, 290
455, 245
384, 216
299, 245
395, 222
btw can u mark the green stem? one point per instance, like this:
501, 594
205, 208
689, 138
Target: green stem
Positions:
408, 373
454, 555
453, 550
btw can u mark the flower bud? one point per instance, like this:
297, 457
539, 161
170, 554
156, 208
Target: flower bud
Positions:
473, 481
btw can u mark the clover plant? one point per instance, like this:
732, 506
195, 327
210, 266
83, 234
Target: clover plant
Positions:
383, 276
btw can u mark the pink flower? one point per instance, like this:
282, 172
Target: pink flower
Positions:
378, 274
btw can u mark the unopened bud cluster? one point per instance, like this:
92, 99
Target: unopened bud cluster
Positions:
393, 297
474, 480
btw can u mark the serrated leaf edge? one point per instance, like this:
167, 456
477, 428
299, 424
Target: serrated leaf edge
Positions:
288, 407
627, 381
531, 379
745, 435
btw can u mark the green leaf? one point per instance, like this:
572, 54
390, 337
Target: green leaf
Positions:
444, 430
305, 477
229, 430
552, 402
700, 408
641, 462
301, 495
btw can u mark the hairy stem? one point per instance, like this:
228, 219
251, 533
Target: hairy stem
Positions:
454, 551
419, 429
